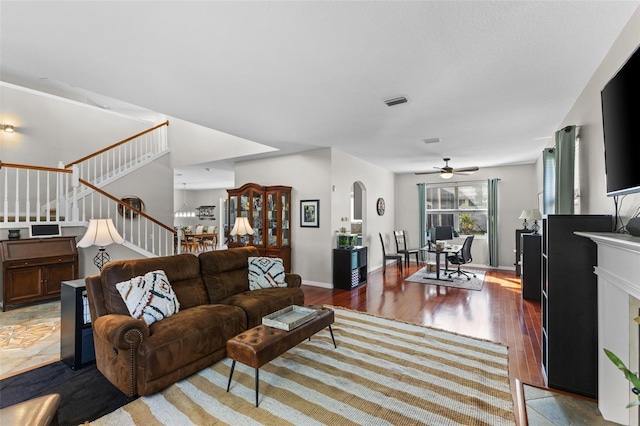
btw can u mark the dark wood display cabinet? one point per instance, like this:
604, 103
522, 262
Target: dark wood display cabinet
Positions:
76, 334
349, 267
531, 266
569, 302
33, 269
269, 212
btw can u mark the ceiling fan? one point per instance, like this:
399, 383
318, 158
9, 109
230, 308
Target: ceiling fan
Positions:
447, 172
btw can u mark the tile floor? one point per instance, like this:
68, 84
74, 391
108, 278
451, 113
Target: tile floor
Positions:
29, 337
545, 408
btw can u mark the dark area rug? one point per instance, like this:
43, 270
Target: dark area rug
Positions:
86, 393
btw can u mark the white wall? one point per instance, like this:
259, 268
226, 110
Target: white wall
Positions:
313, 175
587, 113
378, 183
517, 191
309, 175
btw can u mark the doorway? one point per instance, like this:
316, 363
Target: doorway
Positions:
358, 210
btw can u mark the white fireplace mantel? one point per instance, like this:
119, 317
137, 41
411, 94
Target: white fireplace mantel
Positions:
618, 272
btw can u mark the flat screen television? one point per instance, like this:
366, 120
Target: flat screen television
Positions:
621, 124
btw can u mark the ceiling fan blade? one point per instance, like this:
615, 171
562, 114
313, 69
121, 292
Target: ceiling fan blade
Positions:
429, 173
466, 169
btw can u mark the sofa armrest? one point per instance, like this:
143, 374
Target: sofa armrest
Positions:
293, 280
120, 330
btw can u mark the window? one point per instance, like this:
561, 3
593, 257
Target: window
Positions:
463, 206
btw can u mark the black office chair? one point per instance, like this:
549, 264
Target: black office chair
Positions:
401, 247
462, 257
390, 256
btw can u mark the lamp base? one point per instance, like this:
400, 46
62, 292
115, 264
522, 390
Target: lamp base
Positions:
101, 258
535, 227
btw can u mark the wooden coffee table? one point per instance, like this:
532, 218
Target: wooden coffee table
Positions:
261, 344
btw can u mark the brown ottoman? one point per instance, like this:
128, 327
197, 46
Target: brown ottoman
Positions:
261, 344
41, 411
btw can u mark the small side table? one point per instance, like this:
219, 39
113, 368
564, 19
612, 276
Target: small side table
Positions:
76, 334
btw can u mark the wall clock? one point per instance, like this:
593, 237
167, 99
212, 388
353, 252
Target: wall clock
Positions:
380, 206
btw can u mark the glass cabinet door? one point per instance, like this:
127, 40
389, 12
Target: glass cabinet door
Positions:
285, 219
272, 219
256, 219
233, 212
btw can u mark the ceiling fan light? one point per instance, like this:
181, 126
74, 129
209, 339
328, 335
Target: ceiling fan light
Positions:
446, 175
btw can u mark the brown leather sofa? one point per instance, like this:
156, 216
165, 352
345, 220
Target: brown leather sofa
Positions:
215, 305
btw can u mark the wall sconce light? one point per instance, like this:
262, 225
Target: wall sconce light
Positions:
8, 128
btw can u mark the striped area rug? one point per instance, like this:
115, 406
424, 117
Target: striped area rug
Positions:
384, 372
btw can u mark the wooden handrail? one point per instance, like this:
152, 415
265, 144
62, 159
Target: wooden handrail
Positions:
43, 169
166, 123
128, 206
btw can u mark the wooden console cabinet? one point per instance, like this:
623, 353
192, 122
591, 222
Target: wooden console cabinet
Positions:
269, 213
33, 269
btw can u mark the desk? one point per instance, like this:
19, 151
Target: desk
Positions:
450, 249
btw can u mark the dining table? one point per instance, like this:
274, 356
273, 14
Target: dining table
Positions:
192, 241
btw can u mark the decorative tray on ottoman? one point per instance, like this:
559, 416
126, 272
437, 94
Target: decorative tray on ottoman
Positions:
289, 317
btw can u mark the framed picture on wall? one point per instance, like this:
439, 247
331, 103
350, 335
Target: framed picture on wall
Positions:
310, 213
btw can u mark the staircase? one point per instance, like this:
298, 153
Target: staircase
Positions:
72, 194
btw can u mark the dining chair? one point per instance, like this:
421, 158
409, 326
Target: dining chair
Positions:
212, 240
401, 247
462, 257
389, 256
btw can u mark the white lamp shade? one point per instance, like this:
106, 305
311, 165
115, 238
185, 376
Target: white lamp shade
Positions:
101, 233
241, 227
534, 214
446, 175
524, 214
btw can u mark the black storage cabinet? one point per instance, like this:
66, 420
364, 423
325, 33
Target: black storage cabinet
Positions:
531, 266
76, 334
569, 302
349, 267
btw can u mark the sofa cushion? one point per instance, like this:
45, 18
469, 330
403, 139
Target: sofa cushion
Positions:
149, 297
183, 272
226, 272
187, 336
259, 303
266, 272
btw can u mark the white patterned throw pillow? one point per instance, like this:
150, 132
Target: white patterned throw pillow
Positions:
266, 272
149, 297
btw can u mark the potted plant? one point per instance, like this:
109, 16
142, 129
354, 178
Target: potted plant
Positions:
632, 377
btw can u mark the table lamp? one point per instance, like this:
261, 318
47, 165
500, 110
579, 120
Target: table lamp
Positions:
241, 228
524, 215
101, 233
535, 215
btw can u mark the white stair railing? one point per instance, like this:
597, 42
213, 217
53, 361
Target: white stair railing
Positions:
141, 232
104, 166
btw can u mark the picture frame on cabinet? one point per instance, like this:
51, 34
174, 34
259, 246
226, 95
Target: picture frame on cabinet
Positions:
310, 213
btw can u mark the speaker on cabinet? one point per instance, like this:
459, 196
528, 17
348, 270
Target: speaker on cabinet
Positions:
633, 226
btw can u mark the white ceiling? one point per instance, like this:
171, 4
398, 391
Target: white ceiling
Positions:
491, 79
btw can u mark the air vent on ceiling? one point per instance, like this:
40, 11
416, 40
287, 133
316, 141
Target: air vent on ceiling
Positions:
396, 101
431, 140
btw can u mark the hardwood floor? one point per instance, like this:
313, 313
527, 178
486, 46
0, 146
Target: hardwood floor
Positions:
497, 312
